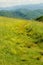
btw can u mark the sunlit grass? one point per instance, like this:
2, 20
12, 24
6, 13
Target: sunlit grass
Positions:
21, 42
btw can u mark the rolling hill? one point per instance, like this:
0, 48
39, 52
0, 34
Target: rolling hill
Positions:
23, 11
21, 42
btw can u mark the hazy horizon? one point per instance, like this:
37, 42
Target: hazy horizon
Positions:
7, 3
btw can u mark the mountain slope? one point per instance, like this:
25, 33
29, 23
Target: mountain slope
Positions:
21, 42
31, 11
22, 13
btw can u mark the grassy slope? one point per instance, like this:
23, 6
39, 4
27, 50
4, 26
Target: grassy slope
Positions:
21, 42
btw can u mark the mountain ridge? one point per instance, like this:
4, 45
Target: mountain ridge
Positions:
23, 11
28, 6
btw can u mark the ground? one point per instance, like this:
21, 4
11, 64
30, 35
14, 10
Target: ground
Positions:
21, 42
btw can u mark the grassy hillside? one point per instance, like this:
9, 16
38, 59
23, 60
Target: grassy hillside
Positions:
21, 42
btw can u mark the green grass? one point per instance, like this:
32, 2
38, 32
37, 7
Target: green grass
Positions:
21, 42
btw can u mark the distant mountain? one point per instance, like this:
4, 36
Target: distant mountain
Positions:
23, 11
28, 7
40, 18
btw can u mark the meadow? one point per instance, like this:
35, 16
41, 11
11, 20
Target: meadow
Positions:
21, 42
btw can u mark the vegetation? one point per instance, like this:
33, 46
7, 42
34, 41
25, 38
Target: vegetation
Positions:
22, 13
21, 42
40, 18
